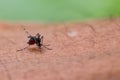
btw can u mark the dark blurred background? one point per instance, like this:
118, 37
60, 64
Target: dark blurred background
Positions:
58, 10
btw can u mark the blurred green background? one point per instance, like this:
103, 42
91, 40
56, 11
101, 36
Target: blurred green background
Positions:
57, 10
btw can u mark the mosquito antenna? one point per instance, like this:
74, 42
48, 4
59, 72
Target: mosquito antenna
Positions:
23, 48
25, 30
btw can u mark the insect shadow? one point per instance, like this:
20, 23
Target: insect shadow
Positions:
37, 39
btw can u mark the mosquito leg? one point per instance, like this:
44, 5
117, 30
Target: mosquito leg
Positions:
42, 39
23, 48
46, 47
